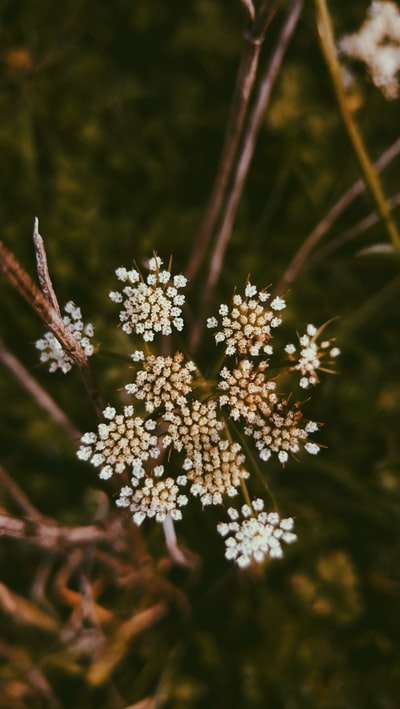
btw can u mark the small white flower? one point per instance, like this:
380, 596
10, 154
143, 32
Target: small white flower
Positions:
377, 45
257, 537
278, 304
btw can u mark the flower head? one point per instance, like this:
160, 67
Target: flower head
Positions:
377, 45
247, 324
246, 391
257, 536
312, 355
51, 349
163, 382
153, 306
283, 434
124, 441
153, 498
213, 464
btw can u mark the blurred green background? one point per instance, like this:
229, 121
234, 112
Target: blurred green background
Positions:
112, 116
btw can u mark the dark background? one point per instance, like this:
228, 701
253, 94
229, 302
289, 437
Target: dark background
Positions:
112, 117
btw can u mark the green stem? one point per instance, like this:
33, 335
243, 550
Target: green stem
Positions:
329, 50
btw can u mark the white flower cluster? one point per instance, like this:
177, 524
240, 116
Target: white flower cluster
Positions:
312, 355
248, 393
257, 536
282, 434
246, 327
377, 45
123, 442
52, 350
154, 498
164, 381
153, 306
178, 437
213, 464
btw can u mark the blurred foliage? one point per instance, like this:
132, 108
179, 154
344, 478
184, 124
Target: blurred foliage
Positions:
112, 117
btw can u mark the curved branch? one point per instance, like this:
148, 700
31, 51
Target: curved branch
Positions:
40, 395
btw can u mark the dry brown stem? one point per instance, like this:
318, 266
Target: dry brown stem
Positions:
299, 260
40, 395
252, 43
243, 164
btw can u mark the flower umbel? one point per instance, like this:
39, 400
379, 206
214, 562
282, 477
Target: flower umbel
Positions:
184, 435
312, 356
247, 324
123, 442
52, 350
153, 306
258, 535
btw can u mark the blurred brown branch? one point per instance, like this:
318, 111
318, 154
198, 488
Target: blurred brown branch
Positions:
300, 258
243, 164
32, 386
246, 76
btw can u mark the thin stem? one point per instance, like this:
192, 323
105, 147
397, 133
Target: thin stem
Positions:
39, 394
372, 306
371, 178
50, 535
18, 495
42, 268
253, 40
360, 228
243, 165
299, 260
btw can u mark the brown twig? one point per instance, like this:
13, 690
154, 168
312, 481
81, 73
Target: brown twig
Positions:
50, 535
44, 400
243, 165
42, 268
22, 282
345, 237
27, 612
30, 672
253, 41
18, 495
115, 649
298, 261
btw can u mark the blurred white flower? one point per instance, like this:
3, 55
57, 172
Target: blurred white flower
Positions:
377, 45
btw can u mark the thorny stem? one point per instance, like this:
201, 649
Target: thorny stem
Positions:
243, 165
371, 178
22, 283
253, 41
299, 260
